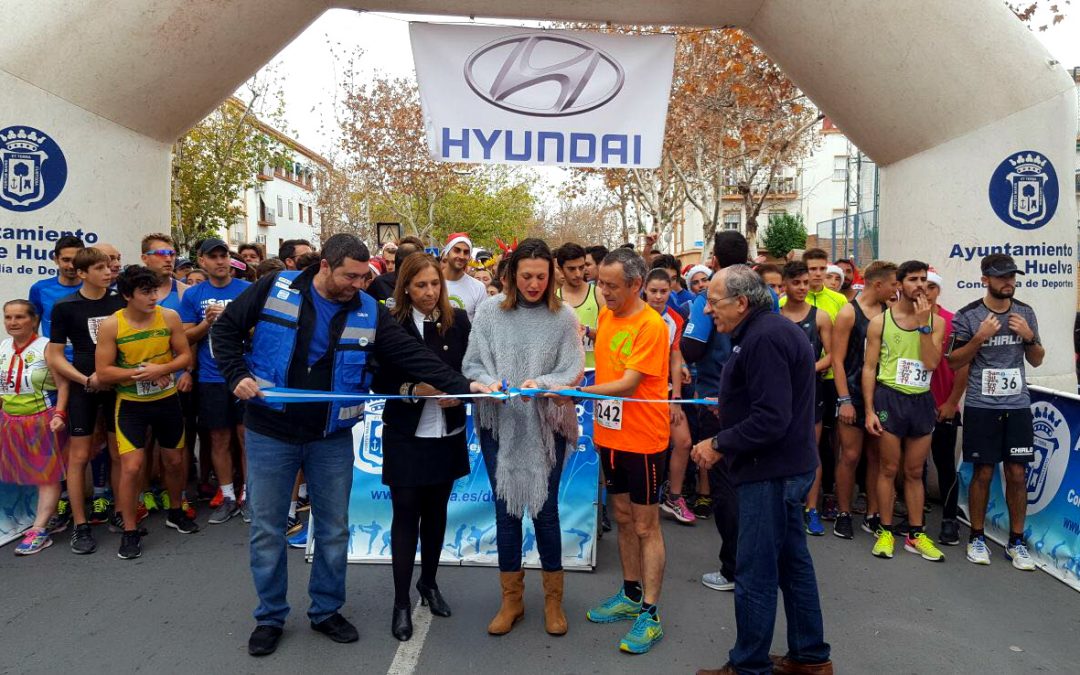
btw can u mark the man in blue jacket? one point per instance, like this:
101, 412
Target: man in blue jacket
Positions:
767, 440
311, 330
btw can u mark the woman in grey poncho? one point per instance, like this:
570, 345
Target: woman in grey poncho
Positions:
527, 337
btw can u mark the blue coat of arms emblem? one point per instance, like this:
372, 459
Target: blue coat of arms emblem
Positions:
1024, 190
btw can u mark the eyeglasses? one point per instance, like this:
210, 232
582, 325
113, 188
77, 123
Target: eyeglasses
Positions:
162, 252
716, 303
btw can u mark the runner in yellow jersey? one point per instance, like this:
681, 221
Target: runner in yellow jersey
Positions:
139, 350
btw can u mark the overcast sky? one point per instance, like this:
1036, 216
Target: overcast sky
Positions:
311, 74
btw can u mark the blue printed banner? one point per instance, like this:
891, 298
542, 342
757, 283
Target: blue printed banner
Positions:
1052, 527
470, 528
17, 506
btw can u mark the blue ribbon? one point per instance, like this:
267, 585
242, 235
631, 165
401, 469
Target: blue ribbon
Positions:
289, 395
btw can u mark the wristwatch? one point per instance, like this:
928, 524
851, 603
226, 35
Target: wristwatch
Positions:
1033, 341
925, 330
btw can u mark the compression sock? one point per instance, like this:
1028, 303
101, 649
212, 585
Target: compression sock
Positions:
632, 589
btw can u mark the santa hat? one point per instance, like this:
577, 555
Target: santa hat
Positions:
932, 277
457, 238
835, 269
694, 271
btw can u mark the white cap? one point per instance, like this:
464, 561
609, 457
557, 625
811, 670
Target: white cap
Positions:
933, 277
835, 269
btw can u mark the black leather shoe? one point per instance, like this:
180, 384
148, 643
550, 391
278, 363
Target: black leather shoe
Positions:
337, 628
263, 640
431, 597
401, 624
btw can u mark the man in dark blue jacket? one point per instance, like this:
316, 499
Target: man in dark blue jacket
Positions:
310, 330
767, 440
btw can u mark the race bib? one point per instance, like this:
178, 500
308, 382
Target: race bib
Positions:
147, 388
912, 373
608, 414
92, 325
1001, 382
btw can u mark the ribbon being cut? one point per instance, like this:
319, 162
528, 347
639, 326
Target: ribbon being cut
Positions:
288, 395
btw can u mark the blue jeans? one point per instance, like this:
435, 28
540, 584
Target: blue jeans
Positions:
272, 468
772, 554
546, 523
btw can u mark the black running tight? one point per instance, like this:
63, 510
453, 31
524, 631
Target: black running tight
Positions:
419, 515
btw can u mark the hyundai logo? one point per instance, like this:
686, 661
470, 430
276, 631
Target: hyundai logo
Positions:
544, 75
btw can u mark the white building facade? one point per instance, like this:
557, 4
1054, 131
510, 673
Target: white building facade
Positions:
282, 205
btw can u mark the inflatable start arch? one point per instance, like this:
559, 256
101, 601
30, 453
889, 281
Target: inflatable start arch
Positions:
971, 121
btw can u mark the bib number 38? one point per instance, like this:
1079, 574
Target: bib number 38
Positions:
609, 414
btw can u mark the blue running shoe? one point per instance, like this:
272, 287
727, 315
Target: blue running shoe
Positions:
299, 538
812, 521
646, 632
616, 608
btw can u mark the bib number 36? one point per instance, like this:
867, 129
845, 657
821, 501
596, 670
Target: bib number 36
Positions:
609, 414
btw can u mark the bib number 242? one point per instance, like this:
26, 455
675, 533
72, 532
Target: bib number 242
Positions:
609, 414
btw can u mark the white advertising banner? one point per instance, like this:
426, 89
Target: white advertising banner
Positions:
511, 95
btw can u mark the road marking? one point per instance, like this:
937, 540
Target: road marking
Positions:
408, 653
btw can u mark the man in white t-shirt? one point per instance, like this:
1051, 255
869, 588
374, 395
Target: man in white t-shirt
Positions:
463, 291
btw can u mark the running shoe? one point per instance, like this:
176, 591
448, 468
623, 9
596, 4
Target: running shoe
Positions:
950, 533
180, 522
871, 524
616, 608
842, 526
99, 510
224, 513
812, 523
677, 507
62, 518
149, 502
165, 501
205, 492
82, 540
130, 546
217, 499
922, 545
860, 505
245, 511
293, 525
978, 552
883, 547
702, 507
34, 541
899, 509
116, 524
665, 490
299, 538
829, 508
141, 512
605, 522
645, 633
188, 509
303, 503
1020, 557
717, 581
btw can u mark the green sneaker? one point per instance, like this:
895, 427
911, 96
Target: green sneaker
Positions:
883, 547
646, 632
616, 608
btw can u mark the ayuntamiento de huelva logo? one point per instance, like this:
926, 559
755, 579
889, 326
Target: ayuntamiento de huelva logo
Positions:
33, 169
1024, 190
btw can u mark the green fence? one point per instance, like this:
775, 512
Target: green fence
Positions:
853, 236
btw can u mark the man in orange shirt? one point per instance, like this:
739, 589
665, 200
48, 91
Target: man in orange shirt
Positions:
632, 352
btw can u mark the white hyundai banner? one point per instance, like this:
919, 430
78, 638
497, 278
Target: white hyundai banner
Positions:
532, 96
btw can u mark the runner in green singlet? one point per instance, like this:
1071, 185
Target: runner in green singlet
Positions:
579, 294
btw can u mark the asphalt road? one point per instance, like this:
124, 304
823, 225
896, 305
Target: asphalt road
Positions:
185, 607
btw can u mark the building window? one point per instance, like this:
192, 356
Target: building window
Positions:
732, 220
280, 208
839, 172
310, 219
291, 216
301, 213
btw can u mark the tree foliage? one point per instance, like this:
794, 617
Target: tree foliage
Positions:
784, 233
218, 159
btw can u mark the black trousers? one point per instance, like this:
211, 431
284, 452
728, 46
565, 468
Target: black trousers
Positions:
419, 515
943, 450
725, 500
